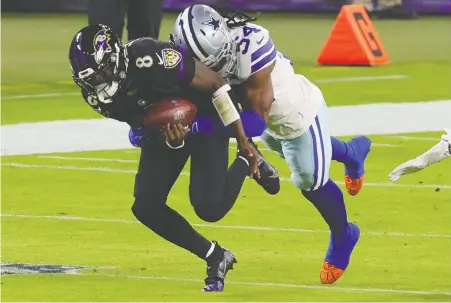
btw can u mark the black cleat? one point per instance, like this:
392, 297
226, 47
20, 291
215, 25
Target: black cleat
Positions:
217, 270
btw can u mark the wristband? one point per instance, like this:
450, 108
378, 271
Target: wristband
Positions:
222, 90
224, 105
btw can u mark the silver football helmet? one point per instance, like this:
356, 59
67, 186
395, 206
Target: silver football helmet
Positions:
202, 30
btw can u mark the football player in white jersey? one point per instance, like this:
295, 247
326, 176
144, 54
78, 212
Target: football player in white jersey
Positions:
438, 152
294, 109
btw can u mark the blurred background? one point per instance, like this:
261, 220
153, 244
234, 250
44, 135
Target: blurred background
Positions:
390, 7
407, 7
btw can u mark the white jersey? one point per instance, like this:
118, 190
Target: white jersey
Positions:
297, 100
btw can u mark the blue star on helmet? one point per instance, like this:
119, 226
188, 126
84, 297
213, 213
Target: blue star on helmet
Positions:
212, 22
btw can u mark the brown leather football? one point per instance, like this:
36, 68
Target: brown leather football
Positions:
172, 111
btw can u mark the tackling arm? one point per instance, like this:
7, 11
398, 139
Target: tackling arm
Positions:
207, 80
259, 91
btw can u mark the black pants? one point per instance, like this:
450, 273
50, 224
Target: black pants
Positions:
214, 187
143, 16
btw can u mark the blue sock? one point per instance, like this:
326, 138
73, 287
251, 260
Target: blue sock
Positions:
329, 201
341, 151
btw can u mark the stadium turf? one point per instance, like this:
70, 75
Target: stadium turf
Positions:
74, 208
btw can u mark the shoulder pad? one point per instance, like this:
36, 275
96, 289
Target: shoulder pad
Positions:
256, 50
145, 52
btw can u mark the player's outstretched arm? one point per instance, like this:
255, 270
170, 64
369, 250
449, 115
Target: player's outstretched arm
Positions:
207, 80
223, 99
259, 91
435, 154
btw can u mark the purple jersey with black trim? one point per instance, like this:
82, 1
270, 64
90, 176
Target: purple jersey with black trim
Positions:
155, 70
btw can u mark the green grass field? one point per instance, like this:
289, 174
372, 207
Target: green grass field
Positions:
74, 208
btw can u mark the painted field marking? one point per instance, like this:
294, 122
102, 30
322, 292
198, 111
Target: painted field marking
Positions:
40, 96
112, 170
237, 227
357, 79
409, 138
384, 145
88, 159
78, 270
281, 285
136, 151
345, 79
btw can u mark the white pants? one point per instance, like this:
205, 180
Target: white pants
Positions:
308, 155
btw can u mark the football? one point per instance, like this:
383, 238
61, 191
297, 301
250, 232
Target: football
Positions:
172, 111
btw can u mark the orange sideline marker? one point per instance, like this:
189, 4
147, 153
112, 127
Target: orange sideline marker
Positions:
353, 40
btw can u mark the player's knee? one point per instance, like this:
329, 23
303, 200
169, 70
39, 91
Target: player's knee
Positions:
303, 180
203, 202
146, 211
206, 211
208, 214
138, 210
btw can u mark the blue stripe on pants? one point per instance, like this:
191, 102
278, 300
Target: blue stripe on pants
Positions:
318, 152
315, 157
322, 151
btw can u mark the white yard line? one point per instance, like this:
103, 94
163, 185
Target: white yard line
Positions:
112, 170
409, 138
88, 159
267, 149
40, 96
384, 145
357, 79
81, 271
346, 79
281, 285
238, 227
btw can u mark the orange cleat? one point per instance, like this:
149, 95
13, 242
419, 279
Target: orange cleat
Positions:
355, 167
329, 273
338, 254
353, 186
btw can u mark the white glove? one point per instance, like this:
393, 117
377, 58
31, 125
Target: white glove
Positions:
435, 154
409, 167
447, 137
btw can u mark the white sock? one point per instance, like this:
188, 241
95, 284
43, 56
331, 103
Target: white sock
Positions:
210, 251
